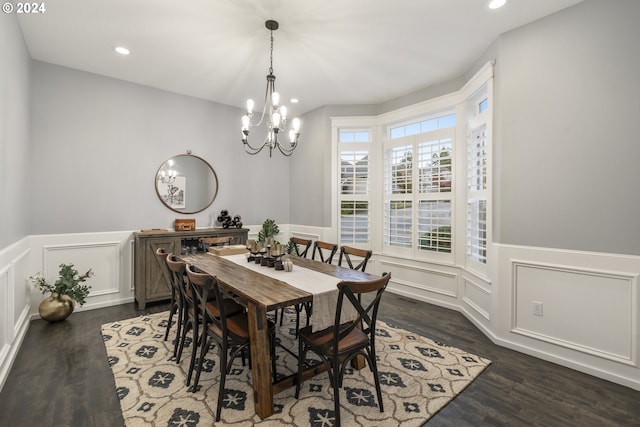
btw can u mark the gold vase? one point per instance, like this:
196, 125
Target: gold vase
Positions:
56, 307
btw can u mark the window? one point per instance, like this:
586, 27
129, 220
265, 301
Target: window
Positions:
477, 152
354, 192
415, 183
418, 183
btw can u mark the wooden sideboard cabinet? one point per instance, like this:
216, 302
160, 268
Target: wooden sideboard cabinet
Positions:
150, 278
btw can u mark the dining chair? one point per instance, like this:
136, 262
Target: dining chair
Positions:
177, 303
339, 344
206, 242
326, 251
190, 315
300, 246
177, 270
230, 332
363, 255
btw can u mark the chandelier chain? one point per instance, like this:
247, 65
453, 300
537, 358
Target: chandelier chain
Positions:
271, 55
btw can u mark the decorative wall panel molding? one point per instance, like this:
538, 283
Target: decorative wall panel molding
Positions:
586, 310
425, 279
477, 295
102, 257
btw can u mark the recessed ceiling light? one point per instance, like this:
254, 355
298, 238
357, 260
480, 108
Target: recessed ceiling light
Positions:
122, 50
496, 4
294, 100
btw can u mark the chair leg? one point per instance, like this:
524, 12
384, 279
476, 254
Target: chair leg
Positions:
302, 351
337, 384
198, 368
173, 310
223, 377
336, 404
182, 320
183, 338
194, 350
374, 369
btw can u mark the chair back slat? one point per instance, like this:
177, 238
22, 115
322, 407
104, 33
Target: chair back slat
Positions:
177, 270
363, 255
326, 251
301, 246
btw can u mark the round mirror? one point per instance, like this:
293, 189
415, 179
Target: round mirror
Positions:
186, 183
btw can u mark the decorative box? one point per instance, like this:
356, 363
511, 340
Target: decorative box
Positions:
184, 224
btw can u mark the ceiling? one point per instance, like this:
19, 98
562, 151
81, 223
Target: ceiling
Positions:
326, 52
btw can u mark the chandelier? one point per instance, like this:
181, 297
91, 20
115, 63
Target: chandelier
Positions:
277, 117
167, 176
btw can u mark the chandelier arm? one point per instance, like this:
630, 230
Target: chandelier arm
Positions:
252, 149
285, 151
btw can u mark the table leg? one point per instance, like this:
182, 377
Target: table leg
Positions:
260, 360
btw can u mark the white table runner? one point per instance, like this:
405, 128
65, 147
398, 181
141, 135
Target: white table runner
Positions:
322, 286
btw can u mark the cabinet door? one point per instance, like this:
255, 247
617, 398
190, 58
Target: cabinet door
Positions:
158, 283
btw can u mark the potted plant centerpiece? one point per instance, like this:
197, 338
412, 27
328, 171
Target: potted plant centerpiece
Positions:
268, 231
64, 293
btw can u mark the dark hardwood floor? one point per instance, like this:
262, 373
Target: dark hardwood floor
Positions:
61, 377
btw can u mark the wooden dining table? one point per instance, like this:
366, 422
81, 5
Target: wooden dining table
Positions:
260, 294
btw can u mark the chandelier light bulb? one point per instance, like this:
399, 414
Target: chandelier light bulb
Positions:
250, 105
245, 122
276, 121
275, 98
283, 112
295, 123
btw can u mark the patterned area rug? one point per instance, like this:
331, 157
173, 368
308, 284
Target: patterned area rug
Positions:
418, 377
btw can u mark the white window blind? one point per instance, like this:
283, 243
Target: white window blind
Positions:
419, 185
434, 224
398, 223
477, 231
477, 195
354, 193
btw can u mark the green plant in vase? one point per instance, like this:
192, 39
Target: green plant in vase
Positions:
268, 231
65, 292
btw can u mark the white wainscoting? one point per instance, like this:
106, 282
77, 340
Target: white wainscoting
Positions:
590, 309
14, 302
418, 278
586, 310
590, 301
109, 255
476, 294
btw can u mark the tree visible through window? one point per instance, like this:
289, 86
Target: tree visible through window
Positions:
419, 185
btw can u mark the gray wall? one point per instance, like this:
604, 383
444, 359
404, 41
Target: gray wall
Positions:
14, 132
569, 99
98, 143
311, 166
567, 94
